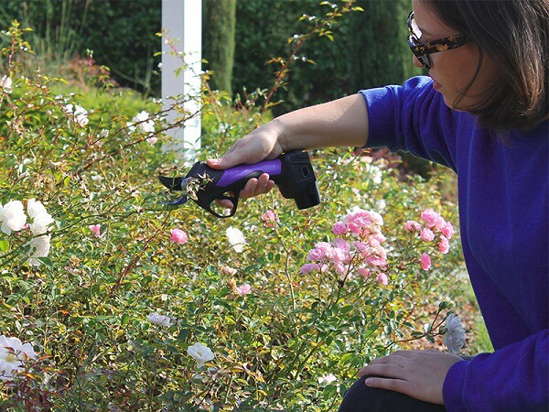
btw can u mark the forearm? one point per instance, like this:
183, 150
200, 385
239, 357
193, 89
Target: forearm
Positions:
342, 122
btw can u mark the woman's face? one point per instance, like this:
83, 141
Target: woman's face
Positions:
453, 70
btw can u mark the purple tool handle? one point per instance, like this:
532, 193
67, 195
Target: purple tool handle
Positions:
271, 167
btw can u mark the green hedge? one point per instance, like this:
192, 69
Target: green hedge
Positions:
369, 49
121, 34
219, 19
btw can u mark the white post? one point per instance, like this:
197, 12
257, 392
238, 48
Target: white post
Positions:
182, 23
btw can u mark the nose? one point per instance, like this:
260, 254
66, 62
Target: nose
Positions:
416, 62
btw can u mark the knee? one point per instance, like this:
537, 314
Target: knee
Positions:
362, 398
357, 397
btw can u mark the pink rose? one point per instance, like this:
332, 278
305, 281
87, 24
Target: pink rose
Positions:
382, 279
178, 236
339, 228
373, 242
316, 254
376, 218
152, 140
360, 246
96, 230
440, 224
427, 235
243, 289
340, 268
361, 221
341, 255
355, 228
341, 243
448, 230
377, 257
443, 245
227, 270
412, 226
326, 248
425, 261
309, 267
270, 218
365, 273
379, 237
431, 217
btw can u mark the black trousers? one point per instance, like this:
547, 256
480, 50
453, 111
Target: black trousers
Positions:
362, 398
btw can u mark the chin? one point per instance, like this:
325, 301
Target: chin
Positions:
449, 101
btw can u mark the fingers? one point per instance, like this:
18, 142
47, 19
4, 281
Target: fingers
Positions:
225, 203
256, 187
258, 145
389, 370
396, 385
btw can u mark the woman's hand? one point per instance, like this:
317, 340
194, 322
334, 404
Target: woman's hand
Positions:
418, 373
263, 143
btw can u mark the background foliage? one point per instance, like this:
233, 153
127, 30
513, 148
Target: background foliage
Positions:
370, 49
219, 20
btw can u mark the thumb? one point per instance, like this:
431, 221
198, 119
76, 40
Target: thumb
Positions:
228, 160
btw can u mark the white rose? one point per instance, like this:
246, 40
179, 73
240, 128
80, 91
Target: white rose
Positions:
159, 320
6, 84
13, 354
327, 379
35, 208
145, 124
201, 354
39, 247
41, 223
12, 216
454, 337
236, 239
79, 113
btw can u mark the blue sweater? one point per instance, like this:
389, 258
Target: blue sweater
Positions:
503, 206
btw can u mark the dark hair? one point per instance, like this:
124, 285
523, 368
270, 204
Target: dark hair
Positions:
514, 34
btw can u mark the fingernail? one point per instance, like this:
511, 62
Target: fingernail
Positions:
368, 381
214, 161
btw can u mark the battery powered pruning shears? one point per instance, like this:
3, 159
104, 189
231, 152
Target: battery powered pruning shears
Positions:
292, 172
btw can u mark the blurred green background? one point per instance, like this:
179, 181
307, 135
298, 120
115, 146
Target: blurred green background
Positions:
239, 36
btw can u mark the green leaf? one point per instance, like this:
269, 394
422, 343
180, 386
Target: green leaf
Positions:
4, 245
46, 261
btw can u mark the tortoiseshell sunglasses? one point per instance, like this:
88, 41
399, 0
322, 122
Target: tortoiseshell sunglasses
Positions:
423, 50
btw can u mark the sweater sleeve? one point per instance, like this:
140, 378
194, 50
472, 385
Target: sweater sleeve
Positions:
412, 118
513, 378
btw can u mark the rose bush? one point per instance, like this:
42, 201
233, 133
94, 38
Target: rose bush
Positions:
286, 304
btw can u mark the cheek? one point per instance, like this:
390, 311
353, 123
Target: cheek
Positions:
456, 73
455, 70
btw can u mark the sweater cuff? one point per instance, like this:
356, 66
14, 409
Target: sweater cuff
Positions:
453, 386
381, 115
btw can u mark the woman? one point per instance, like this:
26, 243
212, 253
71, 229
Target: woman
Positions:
483, 112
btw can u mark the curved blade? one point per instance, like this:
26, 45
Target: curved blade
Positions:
176, 202
173, 183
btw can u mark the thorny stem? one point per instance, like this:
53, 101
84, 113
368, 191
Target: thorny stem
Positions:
286, 268
429, 332
134, 261
297, 45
